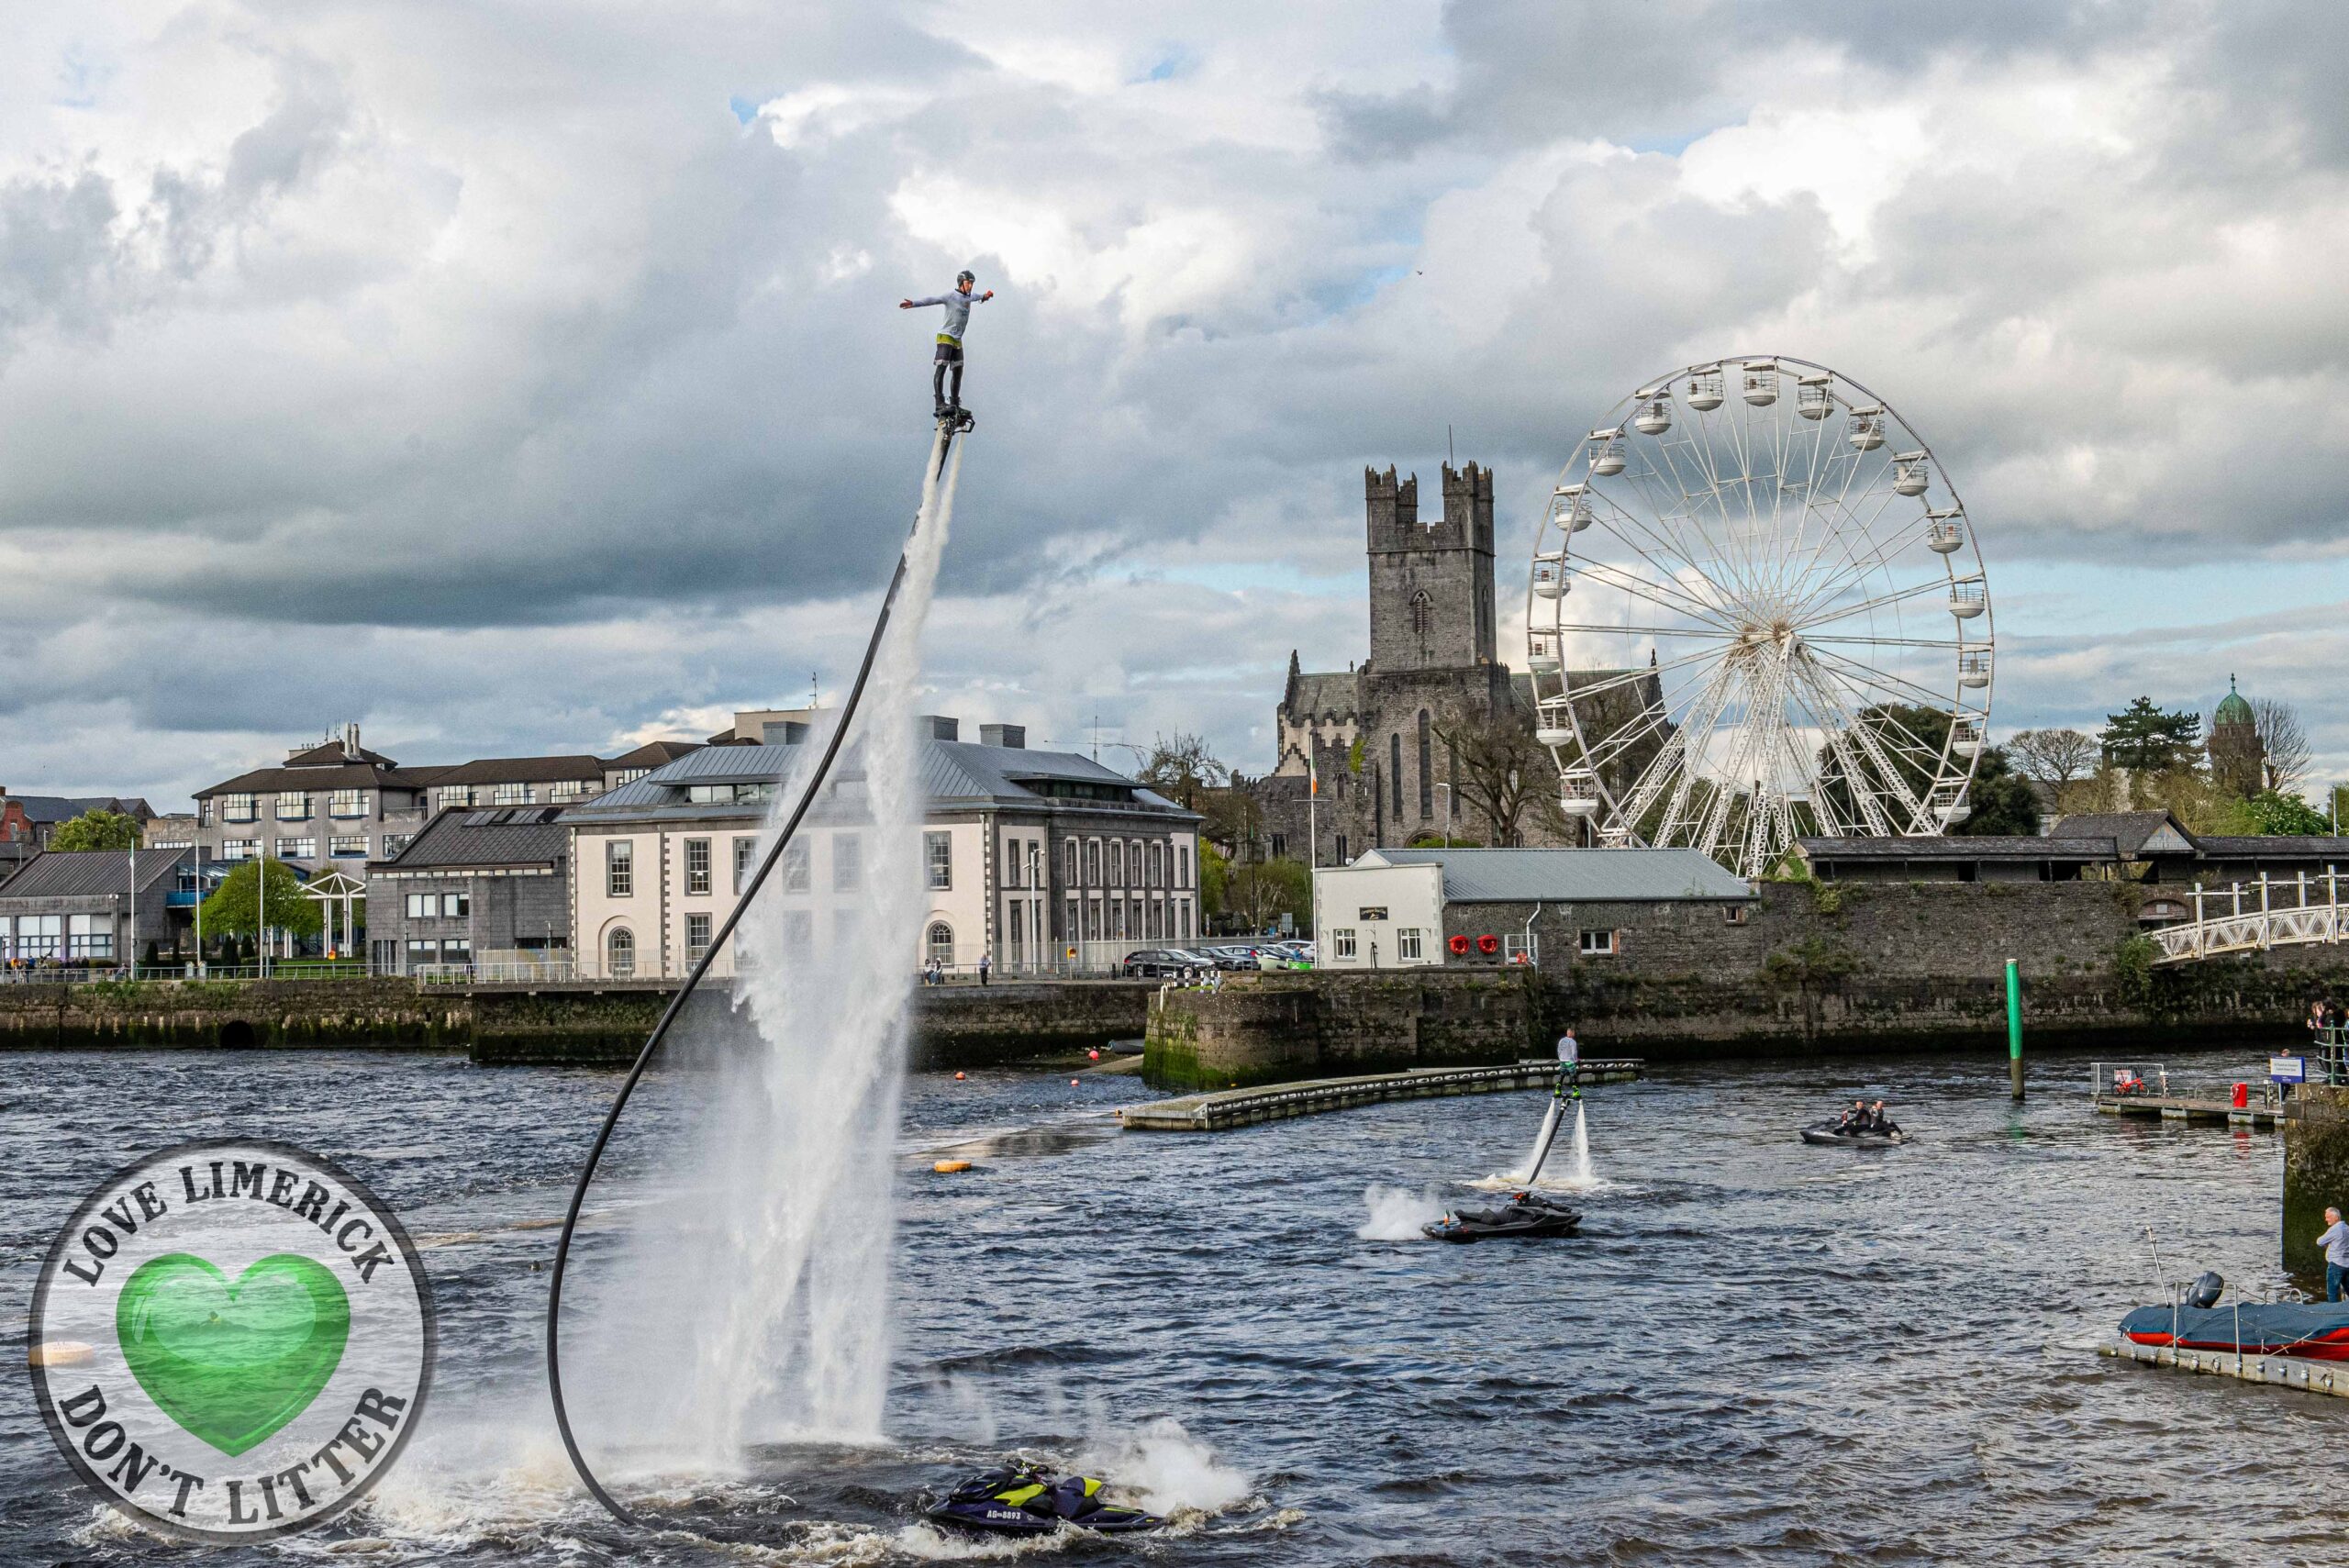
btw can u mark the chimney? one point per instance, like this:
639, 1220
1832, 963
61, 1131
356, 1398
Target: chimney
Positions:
938, 727
1013, 736
788, 733
351, 741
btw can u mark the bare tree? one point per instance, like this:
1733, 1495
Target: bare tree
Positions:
2056, 758
1504, 772
2286, 742
1181, 768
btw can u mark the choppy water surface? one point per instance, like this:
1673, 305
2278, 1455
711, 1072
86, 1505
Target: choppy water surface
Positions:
1776, 1353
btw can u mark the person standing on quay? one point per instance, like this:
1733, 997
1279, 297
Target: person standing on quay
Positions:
2335, 1242
986, 963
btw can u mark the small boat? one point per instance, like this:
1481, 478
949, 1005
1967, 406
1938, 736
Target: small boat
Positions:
1526, 1214
2311, 1330
1020, 1499
1827, 1135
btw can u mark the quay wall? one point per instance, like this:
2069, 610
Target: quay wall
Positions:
1805, 968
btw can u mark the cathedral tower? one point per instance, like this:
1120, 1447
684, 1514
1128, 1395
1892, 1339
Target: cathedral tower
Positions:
1431, 584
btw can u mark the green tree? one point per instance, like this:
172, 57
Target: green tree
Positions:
2002, 799
2149, 738
1214, 877
1258, 894
2273, 812
234, 909
95, 830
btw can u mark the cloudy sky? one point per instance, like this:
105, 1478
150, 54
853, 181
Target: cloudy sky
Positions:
520, 377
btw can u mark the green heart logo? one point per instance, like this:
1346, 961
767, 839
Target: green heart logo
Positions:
231, 1364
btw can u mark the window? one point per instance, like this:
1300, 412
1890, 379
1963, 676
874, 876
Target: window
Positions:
743, 849
629, 776
1735, 913
512, 795
89, 936
1133, 917
456, 905
940, 944
1117, 862
1068, 875
1597, 942
239, 849
1157, 863
620, 953
796, 878
696, 938
570, 789
1019, 934
1069, 927
1342, 943
1092, 921
728, 794
37, 936
347, 803
620, 870
456, 794
292, 805
847, 863
1012, 862
798, 930
456, 950
1186, 920
1427, 765
1280, 846
1183, 865
937, 858
1422, 619
1342, 848
296, 850
238, 808
1407, 942
697, 865
423, 949
394, 842
348, 846
1115, 928
1395, 770
1156, 919
1093, 863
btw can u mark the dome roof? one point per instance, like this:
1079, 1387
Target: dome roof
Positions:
2232, 709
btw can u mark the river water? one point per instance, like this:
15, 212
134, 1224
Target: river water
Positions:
1758, 1351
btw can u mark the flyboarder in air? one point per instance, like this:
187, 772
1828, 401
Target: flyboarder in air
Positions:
949, 340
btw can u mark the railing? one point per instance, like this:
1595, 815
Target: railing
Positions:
2304, 911
28, 971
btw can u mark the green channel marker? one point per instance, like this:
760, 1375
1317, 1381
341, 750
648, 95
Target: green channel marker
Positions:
2014, 1028
231, 1364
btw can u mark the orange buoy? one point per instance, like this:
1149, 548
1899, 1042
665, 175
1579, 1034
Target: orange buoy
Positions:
959, 1077
949, 1167
1071, 1083
1093, 1055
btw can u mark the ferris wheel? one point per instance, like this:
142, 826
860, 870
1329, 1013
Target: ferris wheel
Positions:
1756, 613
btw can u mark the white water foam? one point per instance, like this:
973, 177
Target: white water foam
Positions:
1574, 1174
1396, 1213
753, 1304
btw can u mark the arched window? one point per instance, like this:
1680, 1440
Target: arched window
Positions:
1422, 619
620, 953
939, 939
1427, 765
1395, 770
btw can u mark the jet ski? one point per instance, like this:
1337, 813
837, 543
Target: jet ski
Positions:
1526, 1214
2311, 1330
1828, 1135
1020, 1499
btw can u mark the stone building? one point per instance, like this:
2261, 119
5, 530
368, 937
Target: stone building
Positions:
1374, 736
484, 887
2238, 757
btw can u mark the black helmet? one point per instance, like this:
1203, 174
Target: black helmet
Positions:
965, 276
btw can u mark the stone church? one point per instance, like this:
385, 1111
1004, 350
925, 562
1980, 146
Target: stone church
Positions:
1373, 734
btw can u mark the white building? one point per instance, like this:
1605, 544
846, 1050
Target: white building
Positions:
1045, 861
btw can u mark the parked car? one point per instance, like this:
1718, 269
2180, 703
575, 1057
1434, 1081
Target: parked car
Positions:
1162, 963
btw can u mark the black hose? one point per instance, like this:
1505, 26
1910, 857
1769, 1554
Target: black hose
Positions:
944, 446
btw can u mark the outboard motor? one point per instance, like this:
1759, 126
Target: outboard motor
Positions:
2204, 1292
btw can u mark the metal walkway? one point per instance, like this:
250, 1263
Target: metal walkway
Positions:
1275, 1102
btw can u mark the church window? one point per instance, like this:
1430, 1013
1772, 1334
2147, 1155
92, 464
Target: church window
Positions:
1422, 619
1395, 770
1427, 765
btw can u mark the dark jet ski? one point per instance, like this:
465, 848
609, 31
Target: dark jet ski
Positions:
1828, 1135
1525, 1214
1020, 1499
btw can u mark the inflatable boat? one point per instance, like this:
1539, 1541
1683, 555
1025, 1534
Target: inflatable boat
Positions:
2313, 1330
1828, 1135
1020, 1499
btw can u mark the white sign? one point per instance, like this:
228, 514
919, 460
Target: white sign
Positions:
2287, 1068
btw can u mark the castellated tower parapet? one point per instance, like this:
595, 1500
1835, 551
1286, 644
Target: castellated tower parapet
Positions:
1431, 584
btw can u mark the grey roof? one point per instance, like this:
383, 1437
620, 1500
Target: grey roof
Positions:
520, 770
2274, 846
1324, 691
1524, 876
348, 775
332, 754
94, 873
2128, 830
64, 809
1954, 847
951, 771
502, 835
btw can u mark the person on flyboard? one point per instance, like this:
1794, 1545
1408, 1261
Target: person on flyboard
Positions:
949, 340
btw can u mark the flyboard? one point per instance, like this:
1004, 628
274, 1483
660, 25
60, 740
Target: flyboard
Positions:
1527, 1212
937, 496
